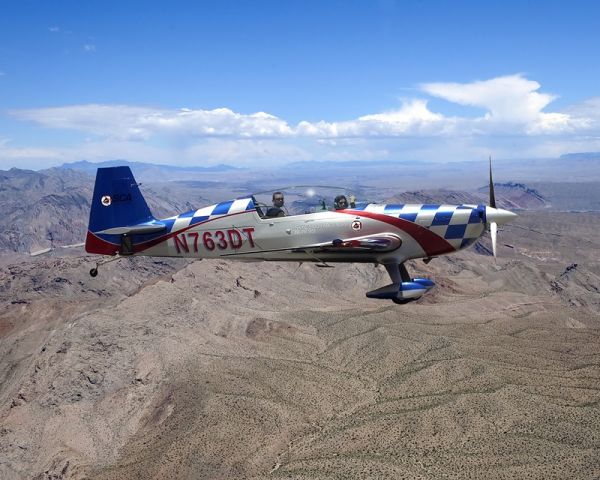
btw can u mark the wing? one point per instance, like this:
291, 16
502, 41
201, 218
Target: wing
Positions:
385, 242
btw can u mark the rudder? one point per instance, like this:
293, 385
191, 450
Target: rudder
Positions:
116, 202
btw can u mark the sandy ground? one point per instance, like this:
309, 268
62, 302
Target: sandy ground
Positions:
228, 370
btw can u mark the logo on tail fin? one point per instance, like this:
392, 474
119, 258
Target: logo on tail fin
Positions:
106, 200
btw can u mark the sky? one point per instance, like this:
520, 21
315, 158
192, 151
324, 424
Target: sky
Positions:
258, 83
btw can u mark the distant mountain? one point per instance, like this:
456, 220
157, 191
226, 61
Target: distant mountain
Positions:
352, 164
509, 195
581, 156
91, 167
51, 208
41, 209
514, 195
439, 196
573, 167
570, 196
150, 172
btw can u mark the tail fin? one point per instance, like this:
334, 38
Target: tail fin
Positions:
117, 202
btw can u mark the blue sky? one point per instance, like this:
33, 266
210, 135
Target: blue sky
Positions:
264, 82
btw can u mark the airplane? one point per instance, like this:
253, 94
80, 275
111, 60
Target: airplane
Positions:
121, 224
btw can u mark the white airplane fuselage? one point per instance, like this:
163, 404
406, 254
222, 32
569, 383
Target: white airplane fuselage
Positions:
121, 223
240, 233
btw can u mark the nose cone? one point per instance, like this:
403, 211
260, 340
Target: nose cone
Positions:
498, 215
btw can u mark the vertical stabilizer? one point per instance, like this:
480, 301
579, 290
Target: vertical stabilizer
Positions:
117, 202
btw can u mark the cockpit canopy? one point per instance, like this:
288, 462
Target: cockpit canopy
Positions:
301, 200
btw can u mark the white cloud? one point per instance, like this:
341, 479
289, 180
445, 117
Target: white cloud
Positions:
140, 123
103, 120
517, 118
54, 29
511, 102
89, 47
412, 118
587, 113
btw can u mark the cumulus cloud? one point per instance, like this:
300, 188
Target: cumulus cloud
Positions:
516, 115
587, 113
140, 123
512, 104
510, 101
412, 118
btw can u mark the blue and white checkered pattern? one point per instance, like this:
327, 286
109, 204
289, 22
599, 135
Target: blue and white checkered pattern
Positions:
208, 213
459, 225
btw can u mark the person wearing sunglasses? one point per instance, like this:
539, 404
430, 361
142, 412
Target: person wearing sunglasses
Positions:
277, 209
340, 202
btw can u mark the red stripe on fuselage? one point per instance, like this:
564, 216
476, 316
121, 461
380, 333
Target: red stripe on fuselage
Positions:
430, 242
95, 244
140, 247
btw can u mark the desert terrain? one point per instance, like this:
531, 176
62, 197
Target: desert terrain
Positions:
162, 368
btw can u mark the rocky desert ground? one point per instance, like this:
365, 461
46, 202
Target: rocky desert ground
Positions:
163, 368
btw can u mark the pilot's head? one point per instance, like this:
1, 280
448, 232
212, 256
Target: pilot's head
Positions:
340, 202
278, 199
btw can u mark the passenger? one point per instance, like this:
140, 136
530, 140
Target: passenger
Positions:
340, 202
277, 209
352, 201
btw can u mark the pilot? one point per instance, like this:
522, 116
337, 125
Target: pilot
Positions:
277, 209
340, 202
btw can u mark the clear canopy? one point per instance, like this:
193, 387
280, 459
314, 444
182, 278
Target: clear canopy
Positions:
303, 199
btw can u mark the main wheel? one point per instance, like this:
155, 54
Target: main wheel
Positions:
93, 272
401, 301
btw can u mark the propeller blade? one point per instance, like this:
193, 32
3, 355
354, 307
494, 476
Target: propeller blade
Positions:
494, 233
492, 196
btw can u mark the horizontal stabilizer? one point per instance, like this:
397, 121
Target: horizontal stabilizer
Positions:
51, 249
40, 252
142, 228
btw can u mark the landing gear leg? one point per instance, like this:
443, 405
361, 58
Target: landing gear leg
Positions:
398, 274
403, 289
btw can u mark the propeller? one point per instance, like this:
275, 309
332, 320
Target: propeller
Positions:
495, 216
493, 225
